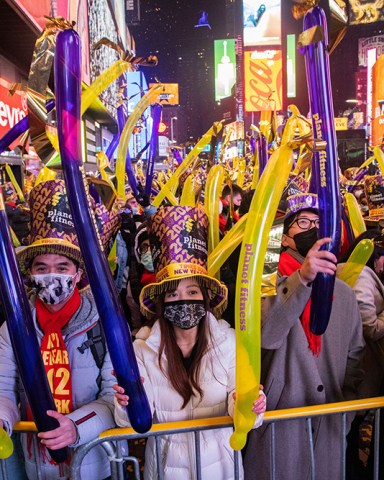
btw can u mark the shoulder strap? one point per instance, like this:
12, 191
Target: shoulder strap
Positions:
96, 343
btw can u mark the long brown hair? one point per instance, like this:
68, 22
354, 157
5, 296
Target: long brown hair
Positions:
184, 381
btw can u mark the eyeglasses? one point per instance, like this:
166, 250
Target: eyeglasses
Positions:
144, 248
305, 223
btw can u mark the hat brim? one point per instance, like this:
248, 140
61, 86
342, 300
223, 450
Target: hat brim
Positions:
218, 294
48, 246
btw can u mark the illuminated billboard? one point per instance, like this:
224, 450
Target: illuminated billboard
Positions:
263, 80
225, 68
377, 126
136, 85
261, 22
12, 108
365, 11
291, 66
169, 94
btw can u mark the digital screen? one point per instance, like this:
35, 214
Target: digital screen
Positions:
169, 94
263, 80
225, 68
377, 127
261, 22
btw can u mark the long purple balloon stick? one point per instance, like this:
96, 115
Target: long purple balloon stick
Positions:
153, 148
117, 334
23, 337
325, 164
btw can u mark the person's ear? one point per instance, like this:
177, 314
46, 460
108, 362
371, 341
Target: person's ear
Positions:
79, 273
284, 241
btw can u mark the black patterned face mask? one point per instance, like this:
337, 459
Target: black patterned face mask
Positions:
185, 314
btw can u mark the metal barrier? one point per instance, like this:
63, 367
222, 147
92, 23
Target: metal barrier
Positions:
111, 439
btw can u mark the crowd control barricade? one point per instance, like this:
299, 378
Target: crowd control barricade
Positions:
111, 439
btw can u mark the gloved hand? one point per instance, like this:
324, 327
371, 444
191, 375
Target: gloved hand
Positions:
142, 197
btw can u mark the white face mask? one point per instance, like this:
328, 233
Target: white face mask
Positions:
146, 260
53, 288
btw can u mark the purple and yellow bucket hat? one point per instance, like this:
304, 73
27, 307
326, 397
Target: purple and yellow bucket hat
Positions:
52, 229
179, 244
299, 202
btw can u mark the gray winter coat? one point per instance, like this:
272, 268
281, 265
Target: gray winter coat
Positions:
293, 377
89, 397
370, 296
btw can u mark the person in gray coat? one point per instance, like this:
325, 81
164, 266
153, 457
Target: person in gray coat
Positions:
76, 361
299, 368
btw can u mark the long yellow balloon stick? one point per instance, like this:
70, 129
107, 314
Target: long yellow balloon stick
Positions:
101, 83
354, 214
226, 247
186, 163
211, 203
249, 283
109, 75
188, 197
359, 257
14, 182
377, 152
142, 105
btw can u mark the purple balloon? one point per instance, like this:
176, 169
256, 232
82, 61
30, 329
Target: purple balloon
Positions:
325, 164
23, 337
177, 156
252, 145
112, 146
128, 164
360, 174
18, 129
262, 146
115, 326
153, 148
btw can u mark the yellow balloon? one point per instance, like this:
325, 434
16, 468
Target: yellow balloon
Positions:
226, 247
14, 182
354, 214
112, 257
359, 257
188, 197
212, 200
6, 445
101, 83
142, 105
90, 94
248, 288
45, 174
380, 158
185, 164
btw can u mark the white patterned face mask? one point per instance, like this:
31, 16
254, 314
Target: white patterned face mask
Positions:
53, 288
185, 314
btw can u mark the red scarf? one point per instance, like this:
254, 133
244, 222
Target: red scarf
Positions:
54, 351
287, 266
147, 278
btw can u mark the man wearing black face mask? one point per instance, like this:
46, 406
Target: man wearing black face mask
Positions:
298, 367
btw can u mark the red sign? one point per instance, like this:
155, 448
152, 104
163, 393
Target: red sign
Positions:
12, 109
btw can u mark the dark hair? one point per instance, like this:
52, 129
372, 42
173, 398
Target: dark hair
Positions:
378, 247
185, 382
291, 218
246, 202
235, 189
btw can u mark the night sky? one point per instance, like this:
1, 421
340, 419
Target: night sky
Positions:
186, 56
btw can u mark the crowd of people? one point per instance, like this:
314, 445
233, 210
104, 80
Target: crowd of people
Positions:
182, 323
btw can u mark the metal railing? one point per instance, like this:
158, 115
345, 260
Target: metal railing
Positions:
111, 440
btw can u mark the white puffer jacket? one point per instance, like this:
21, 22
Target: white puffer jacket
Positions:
217, 379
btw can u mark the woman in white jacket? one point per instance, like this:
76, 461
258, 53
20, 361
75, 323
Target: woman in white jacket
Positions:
187, 359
